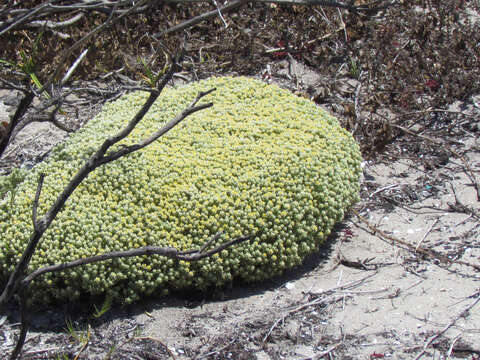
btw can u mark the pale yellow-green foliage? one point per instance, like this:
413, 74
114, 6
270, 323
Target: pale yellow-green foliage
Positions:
260, 161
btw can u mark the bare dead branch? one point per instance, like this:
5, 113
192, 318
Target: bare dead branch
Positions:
22, 19
349, 285
27, 100
41, 178
208, 243
13, 128
319, 301
125, 342
17, 284
59, 125
220, 14
51, 118
73, 67
61, 35
468, 170
22, 303
167, 127
16, 18
55, 25
460, 207
31, 118
191, 255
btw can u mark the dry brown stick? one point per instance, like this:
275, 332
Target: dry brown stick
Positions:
204, 356
208, 243
468, 171
421, 250
40, 351
73, 67
220, 14
141, 338
8, 85
356, 105
33, 15
146, 250
23, 19
192, 108
49, 117
35, 202
460, 207
450, 349
448, 326
22, 303
417, 134
318, 300
432, 110
274, 50
426, 233
54, 25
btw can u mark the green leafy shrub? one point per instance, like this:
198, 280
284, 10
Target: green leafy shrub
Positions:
260, 161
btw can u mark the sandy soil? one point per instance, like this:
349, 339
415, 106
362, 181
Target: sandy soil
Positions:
387, 284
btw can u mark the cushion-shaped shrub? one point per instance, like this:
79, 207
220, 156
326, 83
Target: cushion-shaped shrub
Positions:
260, 161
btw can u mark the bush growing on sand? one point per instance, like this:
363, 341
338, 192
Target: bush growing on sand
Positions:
261, 161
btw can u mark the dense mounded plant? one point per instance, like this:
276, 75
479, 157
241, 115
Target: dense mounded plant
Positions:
261, 161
